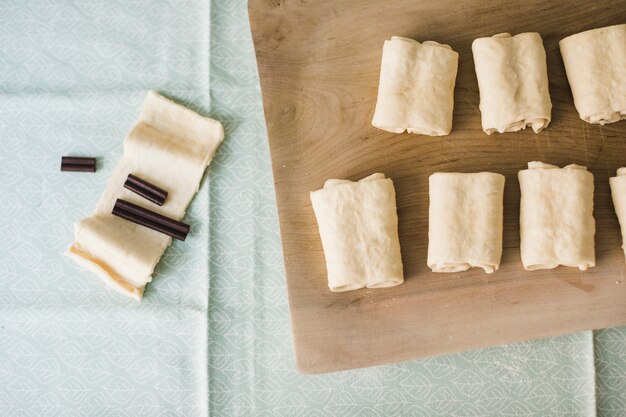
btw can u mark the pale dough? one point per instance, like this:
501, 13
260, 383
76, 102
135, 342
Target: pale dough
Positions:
556, 217
513, 82
465, 221
595, 62
416, 87
358, 225
618, 192
170, 146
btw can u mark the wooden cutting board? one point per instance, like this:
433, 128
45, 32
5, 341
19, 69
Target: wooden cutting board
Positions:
319, 63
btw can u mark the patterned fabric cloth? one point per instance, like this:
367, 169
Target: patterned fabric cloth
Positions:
212, 336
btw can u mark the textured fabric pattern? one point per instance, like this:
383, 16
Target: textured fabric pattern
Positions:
212, 335
73, 76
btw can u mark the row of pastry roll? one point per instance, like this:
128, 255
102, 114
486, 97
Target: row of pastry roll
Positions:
358, 223
416, 87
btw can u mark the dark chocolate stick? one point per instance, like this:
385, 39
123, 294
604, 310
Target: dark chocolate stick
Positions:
78, 168
146, 223
152, 216
148, 218
145, 189
77, 163
78, 160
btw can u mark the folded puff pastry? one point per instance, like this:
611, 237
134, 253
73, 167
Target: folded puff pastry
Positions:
556, 217
358, 226
416, 87
618, 193
170, 146
465, 221
595, 63
513, 82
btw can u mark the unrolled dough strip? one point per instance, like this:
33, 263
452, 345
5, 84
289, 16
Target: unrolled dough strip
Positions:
618, 192
170, 146
556, 217
465, 221
595, 63
358, 225
513, 82
416, 88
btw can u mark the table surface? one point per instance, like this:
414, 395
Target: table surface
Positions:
212, 336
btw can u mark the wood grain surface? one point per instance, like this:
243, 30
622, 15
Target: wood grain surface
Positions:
319, 63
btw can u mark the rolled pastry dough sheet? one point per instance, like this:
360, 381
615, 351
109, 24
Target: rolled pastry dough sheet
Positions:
618, 192
416, 87
556, 217
513, 82
170, 146
465, 221
358, 225
595, 63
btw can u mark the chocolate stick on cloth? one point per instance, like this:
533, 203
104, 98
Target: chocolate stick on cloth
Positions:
171, 144
78, 164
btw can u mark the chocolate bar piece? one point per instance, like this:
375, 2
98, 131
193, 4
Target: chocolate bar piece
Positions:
148, 218
145, 189
78, 164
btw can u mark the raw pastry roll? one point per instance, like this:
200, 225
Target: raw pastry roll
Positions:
618, 192
358, 225
556, 217
465, 221
595, 63
416, 88
513, 82
170, 147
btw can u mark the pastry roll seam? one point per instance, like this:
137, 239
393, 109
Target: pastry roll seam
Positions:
465, 221
358, 227
556, 217
513, 82
595, 64
416, 87
618, 195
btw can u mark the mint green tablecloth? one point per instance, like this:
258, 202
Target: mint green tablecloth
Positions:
212, 336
